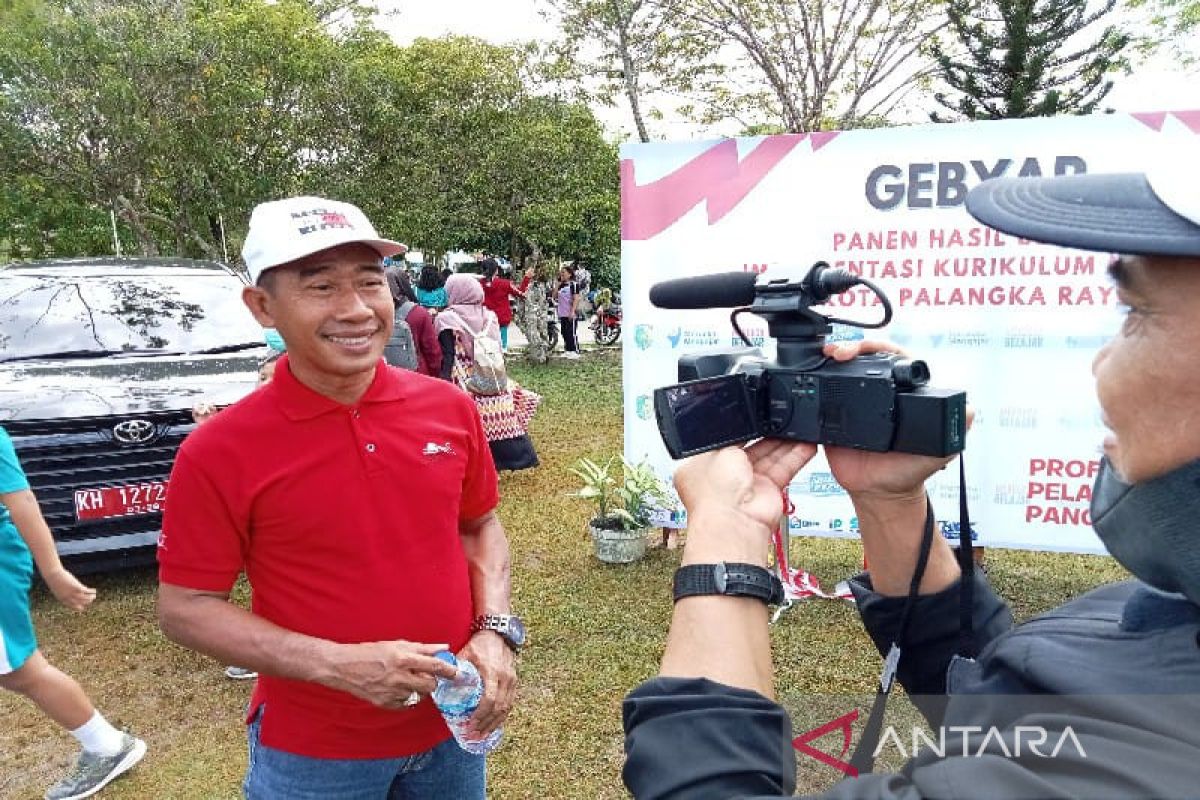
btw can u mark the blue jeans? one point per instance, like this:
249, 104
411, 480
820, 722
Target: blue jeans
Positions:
444, 772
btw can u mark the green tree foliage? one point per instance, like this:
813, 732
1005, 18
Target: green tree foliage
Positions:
169, 114
1170, 28
446, 143
632, 49
178, 115
806, 65
1025, 58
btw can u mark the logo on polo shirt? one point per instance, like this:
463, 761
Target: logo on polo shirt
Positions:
434, 449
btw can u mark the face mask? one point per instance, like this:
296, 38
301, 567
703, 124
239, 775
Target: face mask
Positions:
274, 340
1152, 528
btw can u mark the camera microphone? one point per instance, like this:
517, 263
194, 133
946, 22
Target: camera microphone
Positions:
723, 290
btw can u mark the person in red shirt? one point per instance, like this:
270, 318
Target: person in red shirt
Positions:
360, 500
496, 291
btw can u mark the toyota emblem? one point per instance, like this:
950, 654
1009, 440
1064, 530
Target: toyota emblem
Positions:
133, 431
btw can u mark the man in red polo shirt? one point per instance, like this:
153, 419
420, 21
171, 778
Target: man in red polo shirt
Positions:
359, 500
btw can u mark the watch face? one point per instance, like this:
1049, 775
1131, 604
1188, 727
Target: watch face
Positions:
516, 631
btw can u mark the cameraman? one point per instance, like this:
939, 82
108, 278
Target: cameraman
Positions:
707, 726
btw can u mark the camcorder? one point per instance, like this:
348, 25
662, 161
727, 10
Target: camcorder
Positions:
877, 402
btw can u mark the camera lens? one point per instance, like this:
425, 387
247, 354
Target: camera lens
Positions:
910, 374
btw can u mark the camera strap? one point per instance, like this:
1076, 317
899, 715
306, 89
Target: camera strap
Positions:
863, 760
966, 565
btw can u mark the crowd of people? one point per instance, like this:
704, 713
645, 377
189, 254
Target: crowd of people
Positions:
339, 474
570, 294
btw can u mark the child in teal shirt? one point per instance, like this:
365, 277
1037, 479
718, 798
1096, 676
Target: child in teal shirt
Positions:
430, 289
25, 540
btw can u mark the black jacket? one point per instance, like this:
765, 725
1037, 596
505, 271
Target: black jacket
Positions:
1119, 666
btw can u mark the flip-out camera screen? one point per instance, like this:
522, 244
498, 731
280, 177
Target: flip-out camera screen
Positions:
705, 414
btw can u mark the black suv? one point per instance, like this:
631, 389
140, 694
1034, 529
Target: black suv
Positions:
101, 361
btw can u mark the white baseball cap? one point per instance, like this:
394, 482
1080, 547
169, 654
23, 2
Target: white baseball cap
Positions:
283, 231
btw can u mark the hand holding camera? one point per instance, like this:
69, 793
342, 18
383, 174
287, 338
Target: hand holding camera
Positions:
734, 498
883, 429
869, 476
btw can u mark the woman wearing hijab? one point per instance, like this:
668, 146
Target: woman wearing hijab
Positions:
505, 415
429, 355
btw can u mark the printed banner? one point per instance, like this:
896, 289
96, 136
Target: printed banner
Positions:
1013, 323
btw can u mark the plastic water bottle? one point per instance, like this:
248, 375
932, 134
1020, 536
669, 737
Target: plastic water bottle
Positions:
457, 698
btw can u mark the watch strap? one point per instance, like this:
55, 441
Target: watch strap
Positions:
728, 578
497, 623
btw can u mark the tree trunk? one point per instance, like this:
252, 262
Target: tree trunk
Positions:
532, 321
631, 86
531, 313
145, 241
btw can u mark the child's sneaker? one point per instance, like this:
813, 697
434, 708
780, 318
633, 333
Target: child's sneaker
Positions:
93, 772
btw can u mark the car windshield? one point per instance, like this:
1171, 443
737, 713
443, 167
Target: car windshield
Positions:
56, 315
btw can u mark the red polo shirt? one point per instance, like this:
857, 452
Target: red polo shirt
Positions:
345, 520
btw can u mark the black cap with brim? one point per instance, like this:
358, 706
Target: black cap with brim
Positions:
1116, 213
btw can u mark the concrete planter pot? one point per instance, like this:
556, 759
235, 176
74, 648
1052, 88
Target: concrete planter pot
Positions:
619, 546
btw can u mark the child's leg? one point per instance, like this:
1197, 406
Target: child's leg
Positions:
64, 701
23, 668
107, 752
51, 690
504, 337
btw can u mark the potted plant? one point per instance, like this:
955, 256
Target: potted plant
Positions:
622, 522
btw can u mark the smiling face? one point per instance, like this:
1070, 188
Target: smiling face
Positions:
1147, 378
334, 310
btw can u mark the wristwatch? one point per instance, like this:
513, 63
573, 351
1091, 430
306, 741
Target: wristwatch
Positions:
509, 626
727, 578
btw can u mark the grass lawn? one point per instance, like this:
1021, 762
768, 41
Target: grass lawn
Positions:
595, 630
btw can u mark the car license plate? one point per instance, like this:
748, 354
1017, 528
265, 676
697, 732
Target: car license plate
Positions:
120, 501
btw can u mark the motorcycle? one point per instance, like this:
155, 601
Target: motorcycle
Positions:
551, 324
606, 324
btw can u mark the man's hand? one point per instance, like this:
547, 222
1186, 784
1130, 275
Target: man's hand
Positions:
888, 492
497, 665
386, 673
734, 498
68, 590
203, 412
885, 476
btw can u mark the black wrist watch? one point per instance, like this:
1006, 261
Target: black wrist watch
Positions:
738, 580
509, 626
